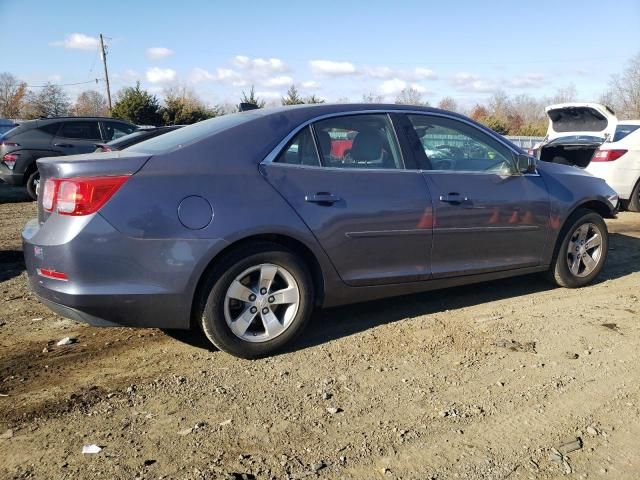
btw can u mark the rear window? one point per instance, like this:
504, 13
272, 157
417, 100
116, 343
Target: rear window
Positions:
624, 130
192, 133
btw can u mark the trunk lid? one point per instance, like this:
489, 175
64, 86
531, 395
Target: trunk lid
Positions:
88, 165
580, 119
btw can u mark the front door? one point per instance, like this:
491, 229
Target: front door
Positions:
370, 214
488, 217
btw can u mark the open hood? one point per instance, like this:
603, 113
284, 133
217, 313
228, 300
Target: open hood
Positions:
591, 119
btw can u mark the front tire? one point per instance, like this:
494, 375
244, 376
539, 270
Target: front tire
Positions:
33, 184
581, 251
257, 300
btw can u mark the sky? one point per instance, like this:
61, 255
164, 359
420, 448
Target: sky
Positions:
337, 50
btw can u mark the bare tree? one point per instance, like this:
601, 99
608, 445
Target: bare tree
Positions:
624, 91
565, 94
183, 107
372, 98
410, 96
448, 103
12, 94
91, 104
50, 101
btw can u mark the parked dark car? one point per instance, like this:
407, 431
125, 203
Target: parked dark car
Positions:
6, 125
138, 136
242, 224
52, 137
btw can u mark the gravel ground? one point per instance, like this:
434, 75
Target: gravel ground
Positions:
509, 379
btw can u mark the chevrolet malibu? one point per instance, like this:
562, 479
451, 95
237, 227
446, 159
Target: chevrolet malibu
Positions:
242, 224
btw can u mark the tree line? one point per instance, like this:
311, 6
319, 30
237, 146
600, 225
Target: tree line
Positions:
509, 115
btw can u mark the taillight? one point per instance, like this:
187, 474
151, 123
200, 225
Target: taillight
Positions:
79, 196
607, 155
48, 273
10, 159
104, 148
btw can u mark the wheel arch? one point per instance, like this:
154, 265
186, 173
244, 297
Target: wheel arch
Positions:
289, 242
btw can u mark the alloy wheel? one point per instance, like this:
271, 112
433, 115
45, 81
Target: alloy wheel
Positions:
261, 302
584, 251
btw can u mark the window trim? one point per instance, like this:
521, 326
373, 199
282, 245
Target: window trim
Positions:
273, 154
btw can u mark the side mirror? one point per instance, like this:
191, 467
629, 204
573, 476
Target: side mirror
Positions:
525, 163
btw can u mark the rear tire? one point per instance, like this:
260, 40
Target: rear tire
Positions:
633, 205
581, 250
33, 183
256, 300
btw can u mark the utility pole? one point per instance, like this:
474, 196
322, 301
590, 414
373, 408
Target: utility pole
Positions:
106, 73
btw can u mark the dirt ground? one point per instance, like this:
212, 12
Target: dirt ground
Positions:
490, 381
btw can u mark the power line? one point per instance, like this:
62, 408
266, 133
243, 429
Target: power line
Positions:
95, 80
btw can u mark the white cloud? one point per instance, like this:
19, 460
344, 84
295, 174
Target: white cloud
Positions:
528, 80
379, 72
260, 66
421, 73
160, 75
392, 87
269, 95
311, 85
158, 53
77, 41
224, 75
55, 77
331, 68
281, 81
471, 83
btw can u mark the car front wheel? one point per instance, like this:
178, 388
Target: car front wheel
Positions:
582, 250
257, 300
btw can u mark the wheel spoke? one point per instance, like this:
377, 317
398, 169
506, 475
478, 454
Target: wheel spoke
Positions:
575, 265
589, 262
285, 296
239, 292
593, 242
272, 325
267, 274
582, 233
241, 324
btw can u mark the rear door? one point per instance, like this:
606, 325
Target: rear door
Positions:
370, 214
77, 136
487, 217
112, 130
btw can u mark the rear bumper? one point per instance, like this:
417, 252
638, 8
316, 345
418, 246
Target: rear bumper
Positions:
113, 280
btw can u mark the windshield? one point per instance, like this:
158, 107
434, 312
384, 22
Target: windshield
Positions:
624, 130
192, 133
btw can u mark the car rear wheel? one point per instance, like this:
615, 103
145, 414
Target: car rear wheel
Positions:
634, 202
33, 184
256, 300
582, 250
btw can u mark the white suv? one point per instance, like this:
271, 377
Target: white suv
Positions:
589, 136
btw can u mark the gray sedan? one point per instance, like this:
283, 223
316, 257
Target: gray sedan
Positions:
242, 224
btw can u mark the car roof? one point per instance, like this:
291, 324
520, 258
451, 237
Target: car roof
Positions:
629, 122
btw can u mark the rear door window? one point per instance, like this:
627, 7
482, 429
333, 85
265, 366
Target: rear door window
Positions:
358, 141
301, 150
80, 130
623, 130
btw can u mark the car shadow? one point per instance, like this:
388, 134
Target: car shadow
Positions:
11, 194
333, 323
11, 264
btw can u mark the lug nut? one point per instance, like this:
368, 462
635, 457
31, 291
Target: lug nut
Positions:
272, 299
253, 310
265, 310
263, 290
252, 298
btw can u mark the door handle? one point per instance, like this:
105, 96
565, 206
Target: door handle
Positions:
322, 198
454, 198
63, 145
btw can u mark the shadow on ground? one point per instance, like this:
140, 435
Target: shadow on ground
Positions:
11, 264
11, 194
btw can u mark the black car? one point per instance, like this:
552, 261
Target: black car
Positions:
133, 138
21, 146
